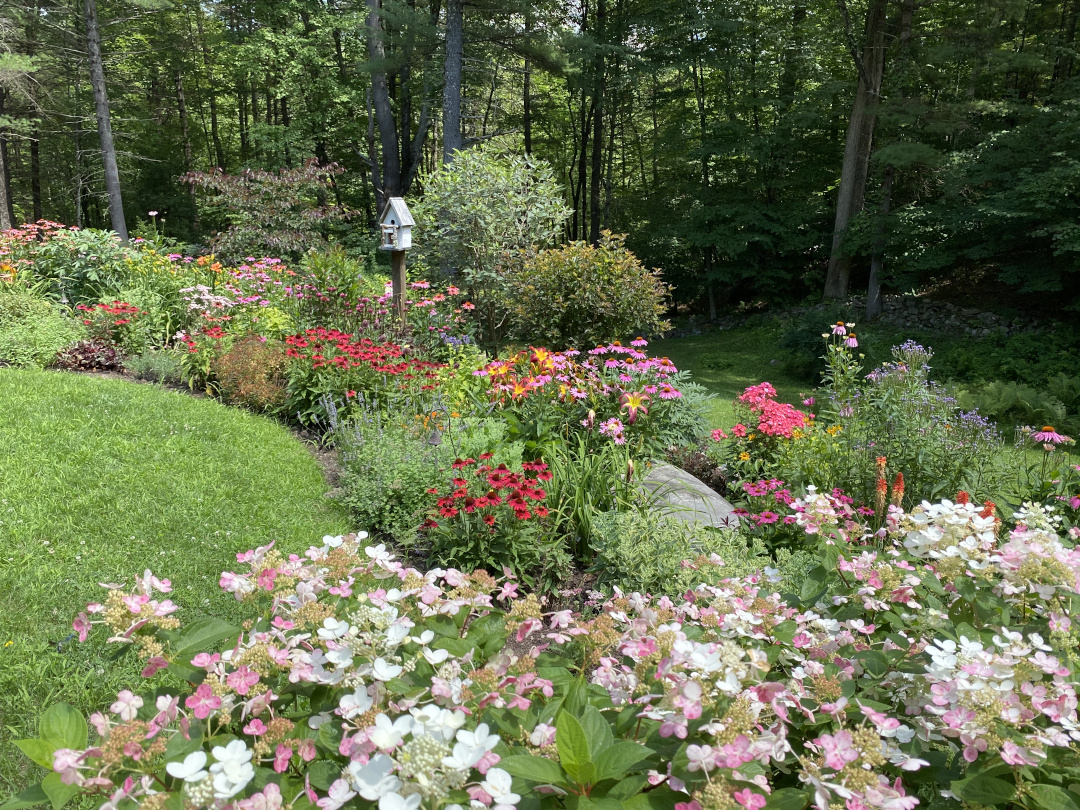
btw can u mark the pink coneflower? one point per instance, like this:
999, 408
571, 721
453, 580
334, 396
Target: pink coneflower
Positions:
669, 392
851, 342
1049, 436
839, 328
639, 342
808, 401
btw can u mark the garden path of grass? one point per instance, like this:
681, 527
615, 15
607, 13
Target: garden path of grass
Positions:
102, 478
728, 361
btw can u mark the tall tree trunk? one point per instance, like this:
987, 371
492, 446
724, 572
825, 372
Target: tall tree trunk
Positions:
215, 134
185, 133
455, 51
35, 173
527, 89
242, 111
877, 258
859, 141
7, 215
384, 115
181, 108
790, 62
7, 208
597, 168
104, 123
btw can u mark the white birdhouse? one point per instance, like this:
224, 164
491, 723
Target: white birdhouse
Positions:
396, 224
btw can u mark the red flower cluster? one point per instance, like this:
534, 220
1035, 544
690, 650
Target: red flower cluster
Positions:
324, 348
120, 312
491, 487
774, 418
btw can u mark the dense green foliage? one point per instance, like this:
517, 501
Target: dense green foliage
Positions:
714, 138
583, 295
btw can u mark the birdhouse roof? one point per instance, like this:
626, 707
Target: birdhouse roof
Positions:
400, 211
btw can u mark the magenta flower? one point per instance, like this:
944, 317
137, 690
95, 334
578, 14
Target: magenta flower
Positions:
851, 342
1049, 436
839, 749
750, 800
203, 701
839, 329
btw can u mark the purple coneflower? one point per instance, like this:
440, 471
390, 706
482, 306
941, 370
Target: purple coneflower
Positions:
851, 342
1049, 436
839, 328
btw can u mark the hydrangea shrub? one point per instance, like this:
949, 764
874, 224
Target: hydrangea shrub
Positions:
932, 662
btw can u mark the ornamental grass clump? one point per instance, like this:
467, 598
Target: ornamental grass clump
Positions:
937, 654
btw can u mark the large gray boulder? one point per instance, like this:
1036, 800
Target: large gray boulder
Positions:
688, 498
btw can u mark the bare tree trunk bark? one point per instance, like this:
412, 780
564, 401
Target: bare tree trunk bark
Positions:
35, 174
455, 51
527, 90
7, 209
7, 218
596, 170
859, 141
215, 135
877, 259
181, 108
104, 123
384, 115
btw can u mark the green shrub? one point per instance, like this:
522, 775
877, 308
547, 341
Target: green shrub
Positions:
1013, 403
477, 210
647, 552
33, 330
155, 366
80, 265
582, 296
251, 373
388, 469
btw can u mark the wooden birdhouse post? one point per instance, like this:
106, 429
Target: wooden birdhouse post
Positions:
396, 224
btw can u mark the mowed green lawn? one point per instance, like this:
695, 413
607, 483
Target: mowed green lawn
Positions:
101, 479
728, 361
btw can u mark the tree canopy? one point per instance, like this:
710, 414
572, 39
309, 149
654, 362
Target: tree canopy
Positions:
741, 145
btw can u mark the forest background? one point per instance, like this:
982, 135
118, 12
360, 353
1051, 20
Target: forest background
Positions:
751, 150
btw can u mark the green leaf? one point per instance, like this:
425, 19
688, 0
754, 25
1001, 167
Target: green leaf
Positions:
1051, 797
178, 747
59, 794
323, 773
619, 759
199, 636
597, 730
981, 789
785, 631
628, 787
536, 769
873, 662
572, 744
930, 580
63, 726
788, 799
39, 751
28, 798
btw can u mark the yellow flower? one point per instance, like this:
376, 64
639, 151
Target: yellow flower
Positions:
744, 456
9, 643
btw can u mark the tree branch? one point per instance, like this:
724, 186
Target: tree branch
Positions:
853, 47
